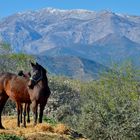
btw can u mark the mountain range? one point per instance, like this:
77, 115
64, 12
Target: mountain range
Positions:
76, 43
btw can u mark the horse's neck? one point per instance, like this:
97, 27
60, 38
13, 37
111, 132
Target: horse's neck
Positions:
43, 83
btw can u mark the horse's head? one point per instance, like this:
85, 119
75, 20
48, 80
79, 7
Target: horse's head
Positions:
26, 75
38, 74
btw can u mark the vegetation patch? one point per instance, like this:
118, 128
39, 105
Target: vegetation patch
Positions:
107, 108
10, 137
39, 132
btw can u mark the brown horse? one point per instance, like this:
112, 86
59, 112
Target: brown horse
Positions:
15, 87
26, 106
22, 90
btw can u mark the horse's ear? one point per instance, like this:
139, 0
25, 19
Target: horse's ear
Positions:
32, 64
37, 64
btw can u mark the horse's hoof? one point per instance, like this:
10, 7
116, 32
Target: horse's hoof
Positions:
34, 124
24, 126
28, 121
1, 127
18, 125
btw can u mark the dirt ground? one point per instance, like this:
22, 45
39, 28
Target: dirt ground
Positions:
42, 131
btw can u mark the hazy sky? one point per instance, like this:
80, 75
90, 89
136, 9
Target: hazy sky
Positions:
132, 7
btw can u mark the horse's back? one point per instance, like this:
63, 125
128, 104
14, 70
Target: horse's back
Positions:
14, 86
5, 75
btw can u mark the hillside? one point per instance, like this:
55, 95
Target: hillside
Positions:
102, 37
104, 108
72, 66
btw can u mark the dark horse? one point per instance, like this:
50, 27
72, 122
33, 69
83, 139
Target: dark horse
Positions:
22, 90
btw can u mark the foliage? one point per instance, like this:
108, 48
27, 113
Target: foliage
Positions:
64, 100
111, 106
103, 109
108, 108
51, 121
10, 137
10, 62
15, 62
9, 108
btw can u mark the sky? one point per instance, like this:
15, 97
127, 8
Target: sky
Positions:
9, 7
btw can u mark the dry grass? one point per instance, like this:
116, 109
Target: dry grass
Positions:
42, 131
61, 129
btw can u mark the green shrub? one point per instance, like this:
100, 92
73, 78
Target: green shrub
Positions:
10, 137
110, 106
49, 120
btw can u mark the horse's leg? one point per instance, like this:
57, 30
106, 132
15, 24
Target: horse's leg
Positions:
24, 123
42, 106
18, 113
28, 113
3, 98
34, 109
21, 110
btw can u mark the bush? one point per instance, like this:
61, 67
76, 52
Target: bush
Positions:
10, 62
10, 137
110, 107
9, 108
51, 121
64, 100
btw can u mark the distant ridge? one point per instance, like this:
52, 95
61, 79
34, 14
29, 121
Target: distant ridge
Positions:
74, 67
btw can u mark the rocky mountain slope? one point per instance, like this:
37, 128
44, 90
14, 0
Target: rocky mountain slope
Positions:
102, 37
